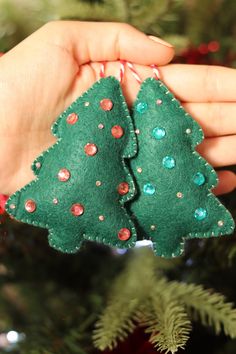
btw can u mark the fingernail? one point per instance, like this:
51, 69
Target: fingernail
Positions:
158, 40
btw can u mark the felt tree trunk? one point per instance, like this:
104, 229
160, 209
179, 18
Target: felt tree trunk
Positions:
82, 180
174, 201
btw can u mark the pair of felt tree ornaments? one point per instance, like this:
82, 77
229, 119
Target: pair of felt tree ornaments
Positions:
118, 177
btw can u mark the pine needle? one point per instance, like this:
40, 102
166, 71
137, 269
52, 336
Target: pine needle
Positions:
167, 322
127, 294
209, 307
142, 295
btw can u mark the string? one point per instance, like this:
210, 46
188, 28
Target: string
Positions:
122, 70
156, 71
134, 72
102, 69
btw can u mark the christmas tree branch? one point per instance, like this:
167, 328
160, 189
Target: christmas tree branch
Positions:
127, 293
141, 295
209, 307
167, 322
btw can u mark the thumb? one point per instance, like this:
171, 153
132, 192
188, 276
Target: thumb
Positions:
94, 41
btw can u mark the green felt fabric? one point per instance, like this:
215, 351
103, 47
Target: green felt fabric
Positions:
66, 231
172, 217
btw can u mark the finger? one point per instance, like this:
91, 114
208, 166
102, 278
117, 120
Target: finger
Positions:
197, 83
227, 182
201, 83
216, 119
93, 41
219, 151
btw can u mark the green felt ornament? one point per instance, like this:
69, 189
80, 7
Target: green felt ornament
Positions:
82, 180
174, 201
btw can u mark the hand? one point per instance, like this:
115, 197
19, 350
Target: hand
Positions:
46, 72
50, 69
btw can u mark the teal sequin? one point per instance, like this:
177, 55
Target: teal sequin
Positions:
199, 179
149, 189
158, 133
168, 162
141, 107
200, 214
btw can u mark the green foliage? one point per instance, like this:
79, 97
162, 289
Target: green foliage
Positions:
209, 307
166, 321
39, 351
118, 319
53, 298
56, 299
143, 296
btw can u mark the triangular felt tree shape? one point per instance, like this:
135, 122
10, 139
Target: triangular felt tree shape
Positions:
82, 180
174, 201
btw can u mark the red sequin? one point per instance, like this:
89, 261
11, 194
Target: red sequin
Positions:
117, 131
124, 234
123, 188
90, 149
72, 118
77, 209
106, 104
63, 175
30, 206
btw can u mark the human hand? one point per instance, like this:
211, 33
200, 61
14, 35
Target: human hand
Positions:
46, 72
207, 92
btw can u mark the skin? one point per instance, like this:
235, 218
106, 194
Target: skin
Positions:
46, 72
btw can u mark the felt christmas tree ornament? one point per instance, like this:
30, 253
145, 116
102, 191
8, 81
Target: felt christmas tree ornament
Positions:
174, 201
82, 181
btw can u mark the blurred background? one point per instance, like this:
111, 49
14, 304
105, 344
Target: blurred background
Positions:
50, 302
201, 30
